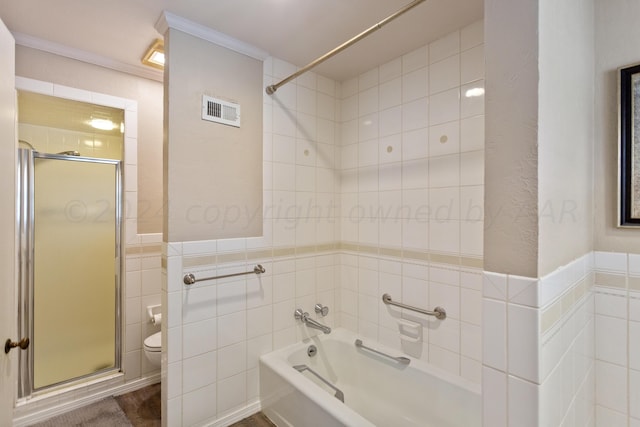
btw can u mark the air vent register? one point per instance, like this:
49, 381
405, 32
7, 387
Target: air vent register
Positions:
219, 111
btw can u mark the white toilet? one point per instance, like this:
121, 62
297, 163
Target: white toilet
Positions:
153, 348
153, 343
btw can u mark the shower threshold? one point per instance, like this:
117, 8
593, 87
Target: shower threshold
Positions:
53, 401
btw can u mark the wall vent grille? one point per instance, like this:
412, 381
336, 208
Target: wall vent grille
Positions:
219, 111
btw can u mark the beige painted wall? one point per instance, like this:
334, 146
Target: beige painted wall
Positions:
539, 135
565, 132
511, 157
44, 66
214, 171
617, 37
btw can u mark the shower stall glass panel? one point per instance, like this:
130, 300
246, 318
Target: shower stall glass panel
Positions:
75, 252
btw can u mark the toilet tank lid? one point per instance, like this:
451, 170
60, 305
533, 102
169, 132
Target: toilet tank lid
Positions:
154, 341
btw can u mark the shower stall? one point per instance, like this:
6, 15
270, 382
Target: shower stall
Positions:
69, 220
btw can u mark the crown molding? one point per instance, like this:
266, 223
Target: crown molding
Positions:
169, 20
32, 42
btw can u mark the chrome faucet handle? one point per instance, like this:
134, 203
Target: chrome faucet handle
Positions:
300, 315
322, 309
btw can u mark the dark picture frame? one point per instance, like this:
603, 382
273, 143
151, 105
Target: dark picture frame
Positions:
629, 146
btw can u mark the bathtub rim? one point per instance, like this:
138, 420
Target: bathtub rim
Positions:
277, 361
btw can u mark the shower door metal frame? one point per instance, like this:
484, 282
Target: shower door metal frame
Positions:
26, 238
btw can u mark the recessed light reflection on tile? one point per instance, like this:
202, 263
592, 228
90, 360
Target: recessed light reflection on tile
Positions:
476, 91
102, 124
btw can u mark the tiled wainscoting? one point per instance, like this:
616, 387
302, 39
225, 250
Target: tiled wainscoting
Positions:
217, 329
538, 344
585, 322
142, 287
617, 330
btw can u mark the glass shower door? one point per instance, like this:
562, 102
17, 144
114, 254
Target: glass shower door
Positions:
76, 267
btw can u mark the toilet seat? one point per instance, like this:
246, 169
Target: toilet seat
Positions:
153, 342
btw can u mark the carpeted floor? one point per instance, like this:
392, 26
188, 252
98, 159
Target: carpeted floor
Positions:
255, 420
140, 408
104, 413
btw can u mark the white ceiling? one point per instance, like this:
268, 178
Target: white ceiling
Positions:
297, 31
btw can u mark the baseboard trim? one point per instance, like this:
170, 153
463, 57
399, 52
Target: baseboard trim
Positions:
137, 384
237, 415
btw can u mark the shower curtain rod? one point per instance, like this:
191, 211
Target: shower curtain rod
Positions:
271, 89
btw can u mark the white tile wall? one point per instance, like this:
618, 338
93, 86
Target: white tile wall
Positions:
494, 384
617, 334
586, 359
417, 191
142, 288
53, 140
540, 356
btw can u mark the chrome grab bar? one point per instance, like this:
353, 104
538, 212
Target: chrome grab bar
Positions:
190, 279
339, 394
399, 359
439, 312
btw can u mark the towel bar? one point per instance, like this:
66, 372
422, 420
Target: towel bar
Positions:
190, 279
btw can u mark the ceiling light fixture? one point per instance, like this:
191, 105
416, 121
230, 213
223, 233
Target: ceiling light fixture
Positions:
154, 57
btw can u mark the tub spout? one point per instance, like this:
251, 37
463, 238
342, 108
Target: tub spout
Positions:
304, 316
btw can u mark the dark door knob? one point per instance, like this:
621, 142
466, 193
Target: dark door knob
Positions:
23, 344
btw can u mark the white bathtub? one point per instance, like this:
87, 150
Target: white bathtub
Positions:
377, 391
